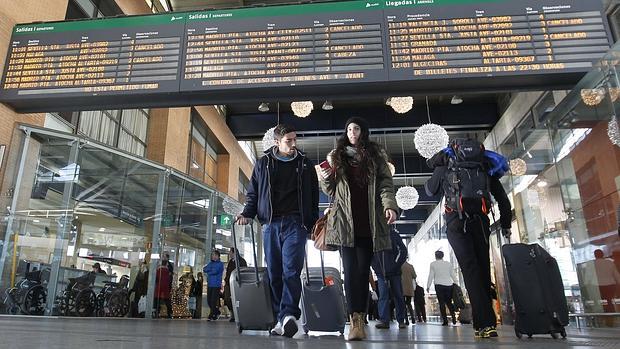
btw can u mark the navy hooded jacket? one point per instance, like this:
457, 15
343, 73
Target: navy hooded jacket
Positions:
390, 260
258, 203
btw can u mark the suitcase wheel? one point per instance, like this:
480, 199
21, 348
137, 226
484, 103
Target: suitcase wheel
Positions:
563, 333
239, 328
306, 330
518, 334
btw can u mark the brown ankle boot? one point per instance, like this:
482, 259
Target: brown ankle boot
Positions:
356, 329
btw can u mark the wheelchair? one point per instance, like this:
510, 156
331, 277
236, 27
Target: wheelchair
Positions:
29, 294
79, 299
113, 299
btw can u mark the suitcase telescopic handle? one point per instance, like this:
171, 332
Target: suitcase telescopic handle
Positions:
308, 270
238, 256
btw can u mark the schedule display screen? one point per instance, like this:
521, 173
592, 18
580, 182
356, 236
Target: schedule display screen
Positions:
312, 49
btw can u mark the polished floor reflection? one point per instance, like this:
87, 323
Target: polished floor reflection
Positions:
36, 332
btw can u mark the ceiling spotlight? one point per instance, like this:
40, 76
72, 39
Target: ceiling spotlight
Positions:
456, 99
328, 105
542, 183
263, 107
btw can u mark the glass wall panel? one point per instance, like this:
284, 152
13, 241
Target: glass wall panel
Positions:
97, 222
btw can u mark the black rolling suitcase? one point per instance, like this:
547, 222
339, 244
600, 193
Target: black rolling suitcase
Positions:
322, 300
537, 290
251, 294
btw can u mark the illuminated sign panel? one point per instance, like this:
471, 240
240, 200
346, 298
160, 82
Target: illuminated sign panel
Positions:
368, 47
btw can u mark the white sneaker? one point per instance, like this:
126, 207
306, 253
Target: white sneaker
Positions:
277, 330
289, 326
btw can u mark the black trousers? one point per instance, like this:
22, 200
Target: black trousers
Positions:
444, 296
213, 300
469, 239
409, 314
356, 264
420, 309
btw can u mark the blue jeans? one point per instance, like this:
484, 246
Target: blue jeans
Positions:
284, 241
395, 292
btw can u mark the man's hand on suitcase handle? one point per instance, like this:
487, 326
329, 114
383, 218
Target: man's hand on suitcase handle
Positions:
506, 233
242, 220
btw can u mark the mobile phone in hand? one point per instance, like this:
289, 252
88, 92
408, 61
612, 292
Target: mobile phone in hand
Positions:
325, 165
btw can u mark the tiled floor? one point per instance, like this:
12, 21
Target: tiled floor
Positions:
41, 332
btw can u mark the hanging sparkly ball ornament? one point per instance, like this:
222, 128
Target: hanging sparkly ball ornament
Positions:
613, 131
518, 167
230, 206
407, 197
269, 139
430, 139
302, 109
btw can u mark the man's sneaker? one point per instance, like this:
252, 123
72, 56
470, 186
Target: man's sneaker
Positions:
382, 325
476, 333
289, 326
277, 330
487, 332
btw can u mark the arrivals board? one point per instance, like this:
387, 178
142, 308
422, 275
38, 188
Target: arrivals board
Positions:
324, 49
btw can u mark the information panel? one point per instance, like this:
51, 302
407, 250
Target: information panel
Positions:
494, 38
325, 49
303, 44
94, 57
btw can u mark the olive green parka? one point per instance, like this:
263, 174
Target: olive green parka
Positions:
380, 198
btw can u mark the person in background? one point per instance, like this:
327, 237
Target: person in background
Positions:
97, 269
162, 290
139, 288
230, 267
408, 277
387, 265
608, 280
284, 195
442, 274
360, 183
419, 303
197, 292
214, 270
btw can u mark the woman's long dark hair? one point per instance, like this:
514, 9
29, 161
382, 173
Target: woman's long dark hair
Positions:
369, 151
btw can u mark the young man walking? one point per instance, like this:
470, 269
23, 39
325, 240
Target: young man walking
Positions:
284, 195
214, 271
467, 176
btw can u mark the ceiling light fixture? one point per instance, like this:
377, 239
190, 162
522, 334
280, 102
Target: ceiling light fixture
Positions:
592, 96
327, 105
400, 105
430, 138
302, 109
263, 107
456, 99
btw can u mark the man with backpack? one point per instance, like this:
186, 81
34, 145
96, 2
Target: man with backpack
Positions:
467, 176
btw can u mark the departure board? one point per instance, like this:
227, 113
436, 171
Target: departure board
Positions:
304, 44
347, 48
115, 56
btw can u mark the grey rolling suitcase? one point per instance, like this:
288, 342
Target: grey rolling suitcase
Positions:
251, 294
537, 290
322, 300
